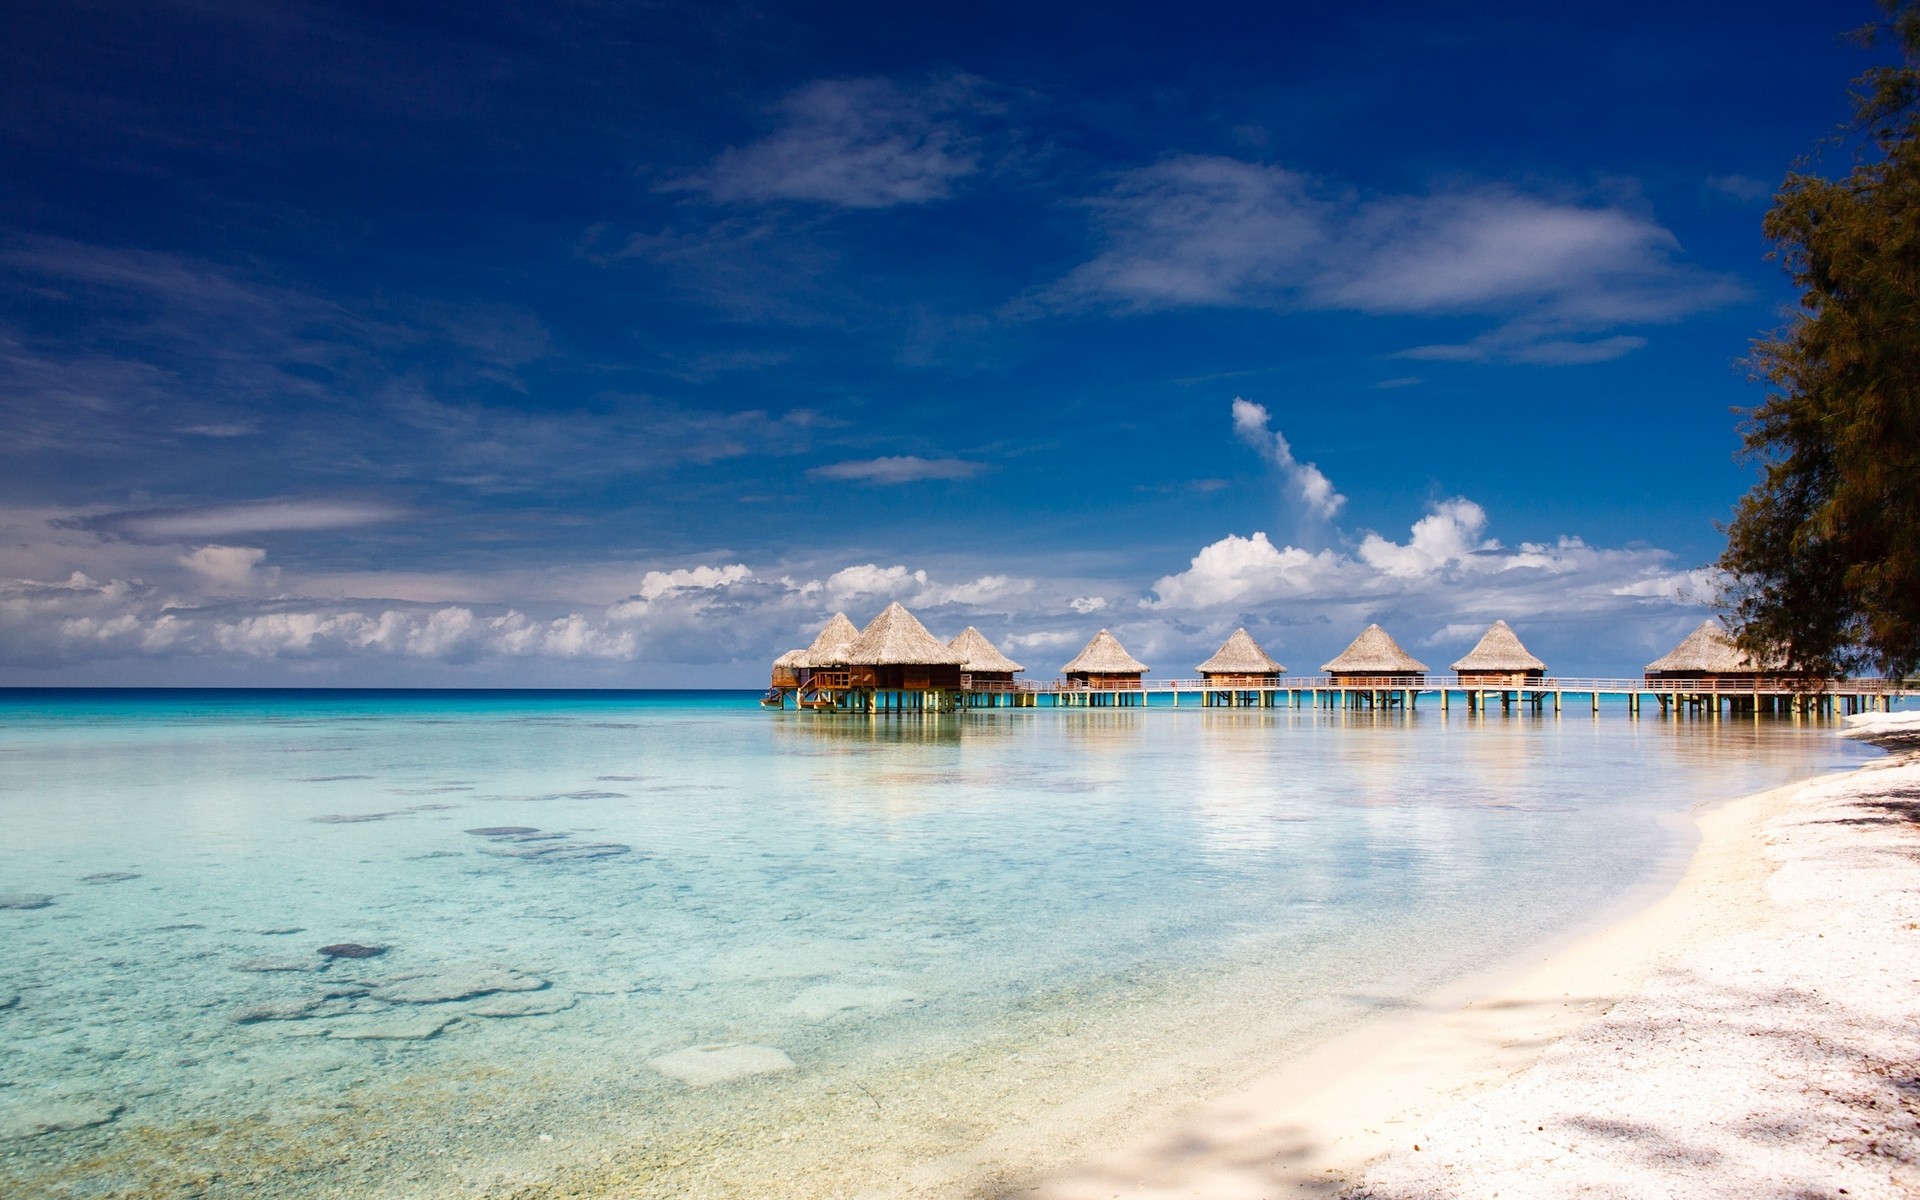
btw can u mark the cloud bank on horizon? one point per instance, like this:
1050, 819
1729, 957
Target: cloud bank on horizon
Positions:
218, 602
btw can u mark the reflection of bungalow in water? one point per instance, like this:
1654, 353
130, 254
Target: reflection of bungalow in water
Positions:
1709, 655
895, 653
985, 667
1105, 665
1499, 661
1241, 663
1375, 660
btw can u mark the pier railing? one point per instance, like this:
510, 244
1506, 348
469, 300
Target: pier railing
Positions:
1724, 686
1765, 685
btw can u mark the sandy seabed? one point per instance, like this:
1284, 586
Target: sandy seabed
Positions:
1756, 1033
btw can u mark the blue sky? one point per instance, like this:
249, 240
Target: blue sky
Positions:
620, 344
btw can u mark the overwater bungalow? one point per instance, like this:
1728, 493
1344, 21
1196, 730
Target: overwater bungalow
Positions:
1499, 661
985, 667
896, 661
1708, 655
829, 649
1241, 663
809, 673
786, 670
1375, 660
1104, 665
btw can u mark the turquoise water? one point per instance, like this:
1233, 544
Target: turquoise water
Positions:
906, 939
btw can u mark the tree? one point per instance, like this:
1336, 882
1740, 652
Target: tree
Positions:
1823, 555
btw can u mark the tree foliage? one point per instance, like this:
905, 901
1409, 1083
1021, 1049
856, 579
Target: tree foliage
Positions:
1824, 553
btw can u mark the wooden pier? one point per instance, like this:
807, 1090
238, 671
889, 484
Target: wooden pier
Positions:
829, 691
895, 666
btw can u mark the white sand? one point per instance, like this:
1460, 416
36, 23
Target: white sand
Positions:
1756, 1033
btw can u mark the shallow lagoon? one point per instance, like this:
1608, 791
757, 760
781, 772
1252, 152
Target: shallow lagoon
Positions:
928, 937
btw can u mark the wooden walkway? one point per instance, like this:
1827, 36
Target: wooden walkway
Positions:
1674, 697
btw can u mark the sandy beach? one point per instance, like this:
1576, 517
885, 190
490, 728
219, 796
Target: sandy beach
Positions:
1756, 1032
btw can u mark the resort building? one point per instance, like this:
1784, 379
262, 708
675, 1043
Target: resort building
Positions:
829, 649
985, 667
1709, 655
896, 654
1105, 666
1375, 660
787, 670
1241, 663
1499, 661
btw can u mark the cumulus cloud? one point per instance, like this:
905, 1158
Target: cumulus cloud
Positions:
904, 468
1209, 231
1443, 538
655, 584
222, 605
855, 143
229, 567
1252, 424
1239, 569
1445, 580
715, 612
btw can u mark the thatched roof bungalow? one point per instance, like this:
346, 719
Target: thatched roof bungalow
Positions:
786, 669
1374, 659
1105, 663
984, 662
1241, 662
829, 649
1499, 660
1708, 653
896, 653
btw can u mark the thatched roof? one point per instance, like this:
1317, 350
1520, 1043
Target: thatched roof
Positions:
1374, 652
896, 638
1104, 655
1240, 655
830, 648
1499, 650
792, 658
1709, 651
982, 655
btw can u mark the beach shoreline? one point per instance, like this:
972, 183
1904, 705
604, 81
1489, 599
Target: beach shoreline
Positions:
1430, 1103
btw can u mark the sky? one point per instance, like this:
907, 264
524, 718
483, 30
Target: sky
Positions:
611, 344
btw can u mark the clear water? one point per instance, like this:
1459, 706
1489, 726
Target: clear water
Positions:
954, 928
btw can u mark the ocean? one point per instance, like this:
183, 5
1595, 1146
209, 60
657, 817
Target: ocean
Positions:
424, 944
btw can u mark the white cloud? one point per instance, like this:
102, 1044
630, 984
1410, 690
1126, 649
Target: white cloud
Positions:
655, 584
855, 143
1252, 424
230, 567
1443, 538
207, 604
869, 579
986, 590
904, 468
1209, 231
1238, 570
1440, 587
261, 516
1200, 231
